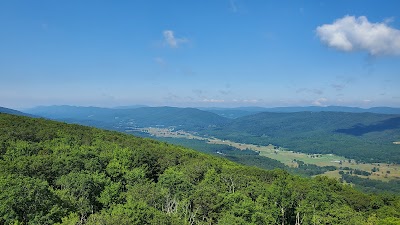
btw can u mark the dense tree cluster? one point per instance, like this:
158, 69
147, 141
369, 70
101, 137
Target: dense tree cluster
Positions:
53, 172
370, 185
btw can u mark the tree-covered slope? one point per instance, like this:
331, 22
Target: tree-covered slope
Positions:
188, 118
362, 136
12, 111
52, 172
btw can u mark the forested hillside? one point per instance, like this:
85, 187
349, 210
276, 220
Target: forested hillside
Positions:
184, 118
366, 137
52, 172
12, 111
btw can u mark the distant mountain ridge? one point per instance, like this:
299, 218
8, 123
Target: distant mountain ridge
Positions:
141, 117
13, 112
245, 111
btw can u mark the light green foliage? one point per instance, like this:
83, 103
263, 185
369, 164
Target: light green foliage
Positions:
80, 190
176, 182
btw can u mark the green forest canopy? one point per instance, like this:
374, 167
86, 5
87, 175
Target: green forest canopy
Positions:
53, 172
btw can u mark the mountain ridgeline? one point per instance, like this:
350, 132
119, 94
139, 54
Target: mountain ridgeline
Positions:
182, 118
359, 135
13, 112
57, 173
234, 113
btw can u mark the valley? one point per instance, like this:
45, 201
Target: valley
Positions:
355, 147
379, 171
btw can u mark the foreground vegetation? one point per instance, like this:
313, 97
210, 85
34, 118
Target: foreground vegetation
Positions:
53, 172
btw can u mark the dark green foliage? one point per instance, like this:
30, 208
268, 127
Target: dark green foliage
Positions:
311, 169
53, 172
361, 172
374, 186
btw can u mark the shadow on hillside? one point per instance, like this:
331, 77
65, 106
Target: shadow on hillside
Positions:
360, 129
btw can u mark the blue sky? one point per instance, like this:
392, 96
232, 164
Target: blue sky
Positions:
200, 53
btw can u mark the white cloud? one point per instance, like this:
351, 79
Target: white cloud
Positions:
320, 102
338, 87
310, 91
250, 101
358, 34
171, 40
213, 100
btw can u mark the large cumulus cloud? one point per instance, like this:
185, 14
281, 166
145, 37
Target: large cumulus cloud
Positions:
358, 34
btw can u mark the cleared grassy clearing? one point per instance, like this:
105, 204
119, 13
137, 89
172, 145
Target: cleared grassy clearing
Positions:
167, 132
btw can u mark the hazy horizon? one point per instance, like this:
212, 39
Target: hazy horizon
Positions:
193, 106
228, 53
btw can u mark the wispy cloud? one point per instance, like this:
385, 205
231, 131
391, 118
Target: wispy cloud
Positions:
358, 34
199, 93
213, 100
224, 92
338, 87
247, 100
171, 97
250, 101
320, 102
171, 40
310, 91
343, 82
188, 71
